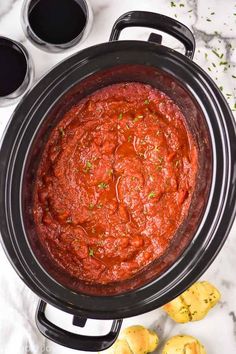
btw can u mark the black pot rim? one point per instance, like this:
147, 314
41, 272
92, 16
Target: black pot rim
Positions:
191, 264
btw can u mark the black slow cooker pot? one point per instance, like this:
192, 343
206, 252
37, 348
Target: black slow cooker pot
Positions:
212, 210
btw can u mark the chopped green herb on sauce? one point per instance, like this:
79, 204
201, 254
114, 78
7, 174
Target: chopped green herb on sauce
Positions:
91, 252
62, 132
151, 195
110, 171
136, 119
88, 165
102, 185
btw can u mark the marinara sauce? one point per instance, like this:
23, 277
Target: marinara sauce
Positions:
114, 182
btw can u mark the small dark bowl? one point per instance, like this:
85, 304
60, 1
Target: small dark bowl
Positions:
15, 96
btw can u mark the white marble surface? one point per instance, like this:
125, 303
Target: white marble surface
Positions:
214, 25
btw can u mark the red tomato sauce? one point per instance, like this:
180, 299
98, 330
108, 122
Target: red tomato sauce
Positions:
114, 182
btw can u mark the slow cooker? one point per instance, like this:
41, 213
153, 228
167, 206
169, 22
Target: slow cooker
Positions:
212, 211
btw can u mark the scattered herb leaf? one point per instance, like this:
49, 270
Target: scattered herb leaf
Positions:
110, 171
151, 195
89, 165
136, 119
176, 163
62, 132
91, 252
120, 116
69, 220
102, 185
146, 101
215, 52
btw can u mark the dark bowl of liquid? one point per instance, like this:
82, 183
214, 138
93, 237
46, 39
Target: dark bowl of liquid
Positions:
56, 25
15, 71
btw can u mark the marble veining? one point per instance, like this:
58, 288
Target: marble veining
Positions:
213, 23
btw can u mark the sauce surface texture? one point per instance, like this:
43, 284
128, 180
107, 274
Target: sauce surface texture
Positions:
114, 182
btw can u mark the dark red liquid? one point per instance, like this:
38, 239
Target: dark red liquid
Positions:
57, 21
13, 67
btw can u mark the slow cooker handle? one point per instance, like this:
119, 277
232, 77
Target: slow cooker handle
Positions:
158, 22
72, 340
